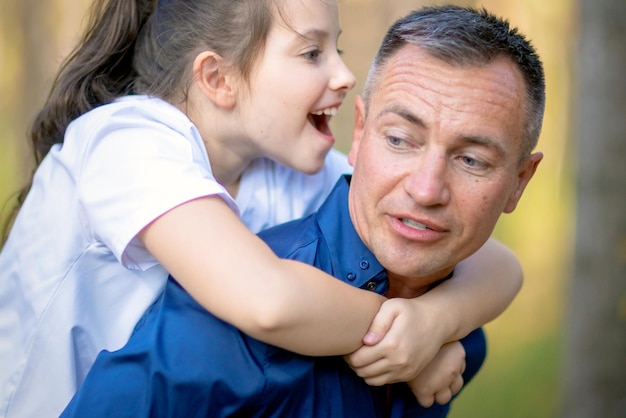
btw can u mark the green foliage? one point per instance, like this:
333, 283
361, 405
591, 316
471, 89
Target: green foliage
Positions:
520, 382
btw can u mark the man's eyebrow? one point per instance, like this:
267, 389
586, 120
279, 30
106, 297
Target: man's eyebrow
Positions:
412, 118
488, 142
403, 113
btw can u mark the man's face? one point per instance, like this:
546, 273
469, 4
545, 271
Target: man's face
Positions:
436, 161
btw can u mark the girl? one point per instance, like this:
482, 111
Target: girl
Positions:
163, 113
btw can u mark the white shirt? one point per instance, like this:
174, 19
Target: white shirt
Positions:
74, 280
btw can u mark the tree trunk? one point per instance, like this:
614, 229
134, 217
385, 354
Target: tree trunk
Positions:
595, 373
36, 23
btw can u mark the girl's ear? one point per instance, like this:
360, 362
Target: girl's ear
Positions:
214, 79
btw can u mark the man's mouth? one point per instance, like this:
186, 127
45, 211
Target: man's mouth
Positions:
319, 119
415, 225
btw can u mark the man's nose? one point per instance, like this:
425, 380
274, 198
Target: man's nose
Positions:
427, 183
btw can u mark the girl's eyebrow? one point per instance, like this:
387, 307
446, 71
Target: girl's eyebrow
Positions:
313, 34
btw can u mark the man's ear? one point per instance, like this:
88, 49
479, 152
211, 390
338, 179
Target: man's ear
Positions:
214, 79
524, 174
359, 129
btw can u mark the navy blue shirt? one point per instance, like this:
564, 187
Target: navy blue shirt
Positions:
181, 361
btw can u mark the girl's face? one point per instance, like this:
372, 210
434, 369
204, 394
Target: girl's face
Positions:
299, 82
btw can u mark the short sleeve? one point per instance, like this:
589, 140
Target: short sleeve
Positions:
271, 194
133, 171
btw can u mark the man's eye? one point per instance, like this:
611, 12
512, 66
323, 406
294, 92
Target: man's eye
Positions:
469, 161
394, 141
472, 162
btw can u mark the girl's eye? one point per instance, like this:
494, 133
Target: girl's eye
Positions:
312, 55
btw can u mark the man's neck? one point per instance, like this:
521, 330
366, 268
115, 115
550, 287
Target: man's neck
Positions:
411, 287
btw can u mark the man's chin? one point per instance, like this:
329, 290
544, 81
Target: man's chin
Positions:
424, 271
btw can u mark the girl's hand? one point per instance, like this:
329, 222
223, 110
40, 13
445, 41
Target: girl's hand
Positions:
404, 337
442, 378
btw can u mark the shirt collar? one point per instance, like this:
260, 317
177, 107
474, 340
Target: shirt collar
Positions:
352, 261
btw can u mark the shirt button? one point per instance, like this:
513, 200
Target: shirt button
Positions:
351, 276
364, 264
371, 285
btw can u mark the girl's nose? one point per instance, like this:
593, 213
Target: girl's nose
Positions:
342, 79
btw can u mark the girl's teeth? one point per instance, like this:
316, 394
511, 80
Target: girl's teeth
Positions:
331, 111
415, 225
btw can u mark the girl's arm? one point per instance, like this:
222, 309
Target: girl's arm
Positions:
407, 333
236, 276
442, 378
482, 287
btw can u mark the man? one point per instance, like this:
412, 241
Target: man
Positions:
442, 145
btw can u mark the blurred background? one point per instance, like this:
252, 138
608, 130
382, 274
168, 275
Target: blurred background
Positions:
560, 349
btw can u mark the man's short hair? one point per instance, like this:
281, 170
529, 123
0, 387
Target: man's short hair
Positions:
465, 36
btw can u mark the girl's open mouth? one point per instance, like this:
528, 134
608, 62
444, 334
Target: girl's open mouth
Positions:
321, 118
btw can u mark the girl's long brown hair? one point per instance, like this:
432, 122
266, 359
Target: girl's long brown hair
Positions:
147, 47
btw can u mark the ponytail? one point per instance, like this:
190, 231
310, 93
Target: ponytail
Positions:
129, 48
98, 71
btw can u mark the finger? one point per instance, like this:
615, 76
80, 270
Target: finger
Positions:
457, 385
379, 380
443, 396
364, 357
380, 325
425, 400
372, 370
373, 377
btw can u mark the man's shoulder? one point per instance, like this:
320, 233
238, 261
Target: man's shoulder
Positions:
298, 239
